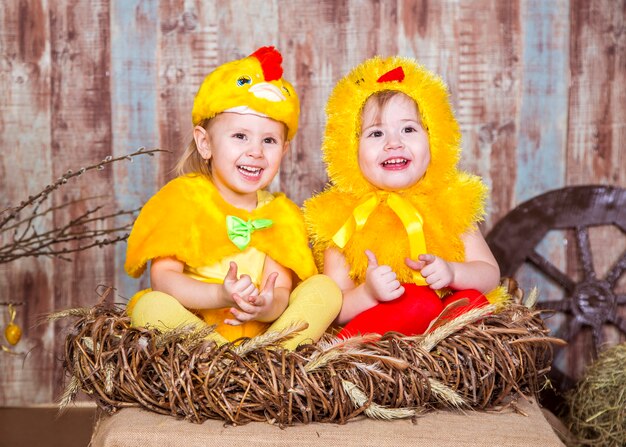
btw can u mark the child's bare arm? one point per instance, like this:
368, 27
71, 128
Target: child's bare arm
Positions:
380, 284
166, 275
270, 302
480, 270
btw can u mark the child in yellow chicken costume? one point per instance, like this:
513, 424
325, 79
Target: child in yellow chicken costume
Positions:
397, 228
223, 251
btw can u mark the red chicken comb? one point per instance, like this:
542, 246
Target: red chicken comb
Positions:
270, 60
397, 74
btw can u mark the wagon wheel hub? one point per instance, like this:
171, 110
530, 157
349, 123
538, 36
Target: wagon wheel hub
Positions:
594, 302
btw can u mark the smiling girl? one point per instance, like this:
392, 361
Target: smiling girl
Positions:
223, 251
397, 230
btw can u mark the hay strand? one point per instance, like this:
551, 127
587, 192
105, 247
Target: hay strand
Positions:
598, 403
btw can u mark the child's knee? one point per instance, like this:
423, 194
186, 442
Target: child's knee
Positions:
158, 310
316, 301
152, 308
323, 290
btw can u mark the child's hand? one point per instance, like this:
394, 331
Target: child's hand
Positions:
253, 307
243, 287
380, 280
437, 272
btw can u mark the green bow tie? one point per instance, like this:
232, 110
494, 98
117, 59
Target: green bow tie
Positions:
239, 230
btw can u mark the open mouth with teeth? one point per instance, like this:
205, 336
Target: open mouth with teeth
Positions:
250, 172
395, 163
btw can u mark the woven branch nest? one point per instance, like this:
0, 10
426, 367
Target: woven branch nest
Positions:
474, 361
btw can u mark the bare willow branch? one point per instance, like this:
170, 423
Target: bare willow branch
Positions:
45, 192
25, 232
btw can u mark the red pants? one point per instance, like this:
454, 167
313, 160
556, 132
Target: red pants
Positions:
411, 313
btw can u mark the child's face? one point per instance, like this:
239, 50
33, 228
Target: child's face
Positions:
393, 147
245, 152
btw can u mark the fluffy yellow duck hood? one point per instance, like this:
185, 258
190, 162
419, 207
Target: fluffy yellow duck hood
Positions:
341, 138
449, 202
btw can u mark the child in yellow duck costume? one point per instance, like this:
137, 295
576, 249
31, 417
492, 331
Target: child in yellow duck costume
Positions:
397, 228
223, 251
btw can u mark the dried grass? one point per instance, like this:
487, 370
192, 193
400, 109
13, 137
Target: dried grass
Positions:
598, 403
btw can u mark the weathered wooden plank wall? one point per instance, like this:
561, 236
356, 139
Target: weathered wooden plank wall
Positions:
539, 89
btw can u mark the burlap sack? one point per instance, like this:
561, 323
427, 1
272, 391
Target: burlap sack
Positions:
140, 428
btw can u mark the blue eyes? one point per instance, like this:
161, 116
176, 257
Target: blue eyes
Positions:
243, 80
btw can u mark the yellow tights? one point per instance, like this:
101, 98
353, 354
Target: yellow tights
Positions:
316, 301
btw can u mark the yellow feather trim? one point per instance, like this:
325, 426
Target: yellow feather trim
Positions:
498, 296
447, 216
186, 219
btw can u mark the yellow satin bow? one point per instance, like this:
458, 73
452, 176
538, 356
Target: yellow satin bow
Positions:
406, 212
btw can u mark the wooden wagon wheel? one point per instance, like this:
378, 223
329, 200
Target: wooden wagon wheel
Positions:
591, 301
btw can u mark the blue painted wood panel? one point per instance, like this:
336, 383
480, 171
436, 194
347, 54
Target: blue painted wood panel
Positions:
134, 76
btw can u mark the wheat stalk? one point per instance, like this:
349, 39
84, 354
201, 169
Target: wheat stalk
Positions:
373, 410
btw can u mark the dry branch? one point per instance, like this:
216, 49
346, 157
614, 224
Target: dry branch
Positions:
23, 231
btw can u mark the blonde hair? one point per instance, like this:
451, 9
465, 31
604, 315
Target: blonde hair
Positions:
191, 162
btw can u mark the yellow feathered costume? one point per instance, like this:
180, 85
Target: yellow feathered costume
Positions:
449, 201
186, 219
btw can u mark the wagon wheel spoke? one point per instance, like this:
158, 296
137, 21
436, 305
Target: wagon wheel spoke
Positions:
598, 340
563, 305
550, 269
573, 329
566, 329
616, 270
584, 251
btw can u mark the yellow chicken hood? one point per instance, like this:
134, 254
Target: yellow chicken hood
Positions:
254, 82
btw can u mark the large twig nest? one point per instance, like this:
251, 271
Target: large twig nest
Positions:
474, 361
598, 403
